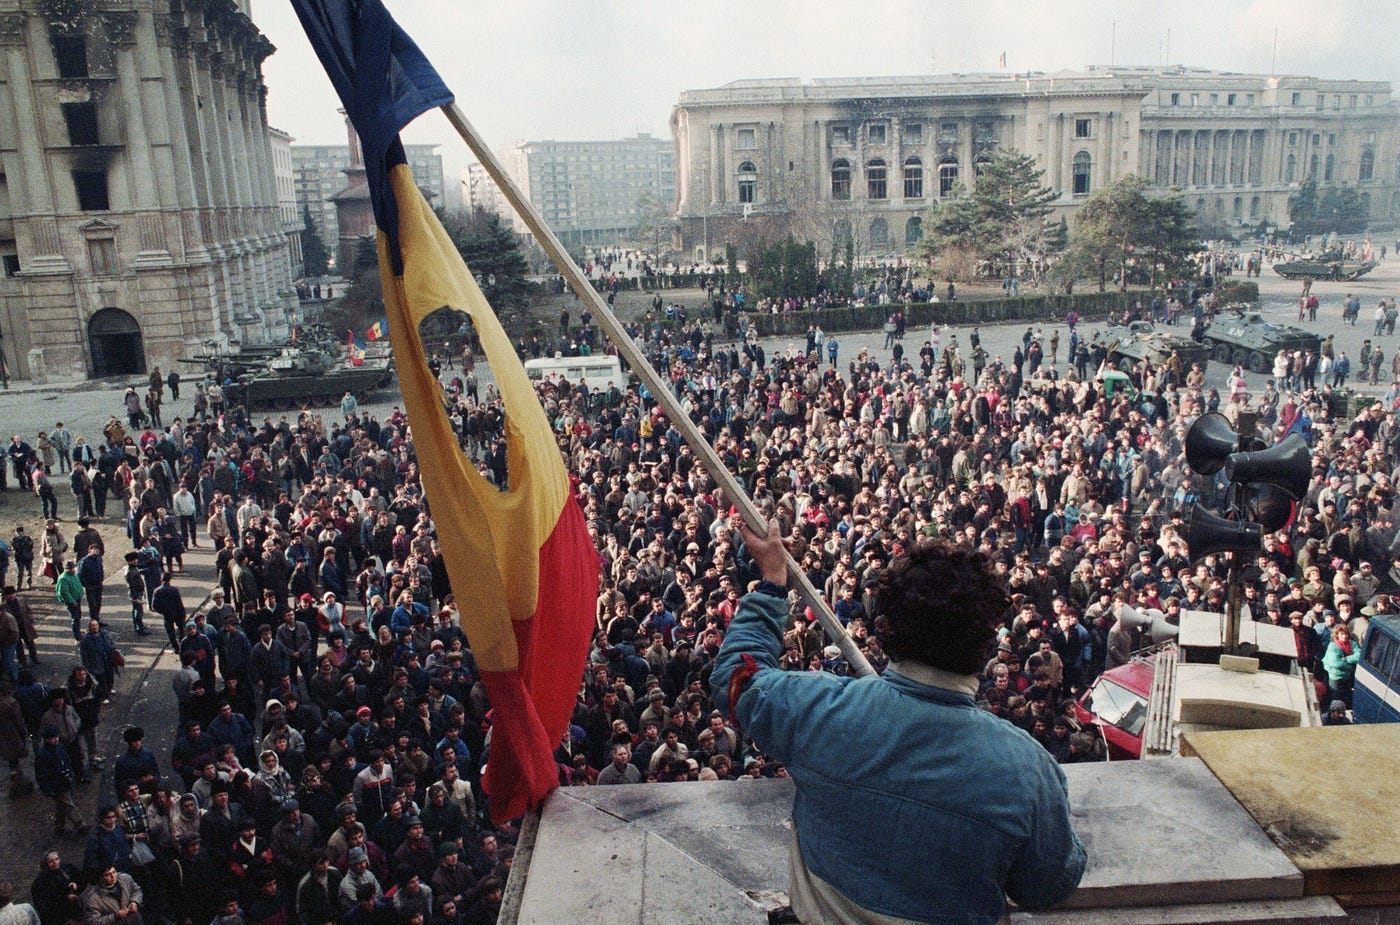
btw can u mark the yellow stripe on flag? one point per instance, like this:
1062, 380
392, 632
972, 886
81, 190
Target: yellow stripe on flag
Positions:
490, 539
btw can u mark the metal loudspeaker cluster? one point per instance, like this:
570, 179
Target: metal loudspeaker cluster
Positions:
1266, 483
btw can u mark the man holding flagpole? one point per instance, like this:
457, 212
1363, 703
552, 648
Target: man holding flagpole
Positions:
902, 823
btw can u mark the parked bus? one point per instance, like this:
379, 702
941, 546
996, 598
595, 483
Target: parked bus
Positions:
1376, 696
596, 371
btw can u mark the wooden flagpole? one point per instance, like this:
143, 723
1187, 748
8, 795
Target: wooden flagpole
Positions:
660, 388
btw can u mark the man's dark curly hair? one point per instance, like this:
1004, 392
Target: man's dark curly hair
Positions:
943, 603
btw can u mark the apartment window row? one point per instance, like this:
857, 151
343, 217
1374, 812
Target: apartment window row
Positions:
876, 133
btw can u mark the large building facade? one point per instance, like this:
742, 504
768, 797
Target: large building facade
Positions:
285, 182
320, 174
869, 157
594, 192
138, 214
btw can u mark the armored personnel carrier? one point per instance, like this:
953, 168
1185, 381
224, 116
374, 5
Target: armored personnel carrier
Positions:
1242, 336
1328, 265
312, 371
1141, 340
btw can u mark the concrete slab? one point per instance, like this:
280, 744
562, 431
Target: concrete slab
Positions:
1329, 797
1309, 910
1156, 832
1159, 832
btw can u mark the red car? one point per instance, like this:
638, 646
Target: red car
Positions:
1117, 704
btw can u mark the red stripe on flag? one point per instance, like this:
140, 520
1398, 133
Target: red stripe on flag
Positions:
531, 707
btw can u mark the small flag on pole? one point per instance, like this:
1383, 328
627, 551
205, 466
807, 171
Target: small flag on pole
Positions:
377, 331
355, 350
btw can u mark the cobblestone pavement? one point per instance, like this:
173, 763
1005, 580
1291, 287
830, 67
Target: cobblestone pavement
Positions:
142, 694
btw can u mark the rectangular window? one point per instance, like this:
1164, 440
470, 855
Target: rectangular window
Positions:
1321, 100
1083, 128
102, 252
1292, 138
11, 264
1195, 99
82, 123
70, 55
1230, 99
91, 187
1176, 99
875, 133
1214, 98
840, 136
1370, 100
1336, 101
1351, 101
1249, 99
745, 139
1297, 99
914, 133
1331, 140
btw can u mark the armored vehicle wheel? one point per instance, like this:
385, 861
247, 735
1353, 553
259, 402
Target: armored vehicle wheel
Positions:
1259, 362
1125, 364
1221, 353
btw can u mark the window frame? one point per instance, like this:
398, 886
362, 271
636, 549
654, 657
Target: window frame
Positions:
877, 175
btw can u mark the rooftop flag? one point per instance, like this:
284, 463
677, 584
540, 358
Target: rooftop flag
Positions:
521, 562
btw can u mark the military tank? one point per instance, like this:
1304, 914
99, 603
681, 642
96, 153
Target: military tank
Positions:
1141, 340
311, 371
1328, 265
1242, 337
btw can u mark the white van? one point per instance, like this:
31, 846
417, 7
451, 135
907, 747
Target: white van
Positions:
595, 371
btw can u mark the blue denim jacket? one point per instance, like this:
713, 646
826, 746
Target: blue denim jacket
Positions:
911, 801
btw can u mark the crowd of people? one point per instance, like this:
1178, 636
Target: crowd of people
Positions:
332, 723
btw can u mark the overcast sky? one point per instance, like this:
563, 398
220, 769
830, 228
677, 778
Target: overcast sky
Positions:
552, 69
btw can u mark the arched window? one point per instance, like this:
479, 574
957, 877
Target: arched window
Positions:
947, 176
1330, 169
1083, 173
913, 178
841, 179
1254, 207
748, 182
879, 234
914, 230
875, 185
980, 165
1290, 167
1367, 170
1237, 210
1312, 166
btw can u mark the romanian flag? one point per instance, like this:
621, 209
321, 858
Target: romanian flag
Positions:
522, 564
355, 350
378, 330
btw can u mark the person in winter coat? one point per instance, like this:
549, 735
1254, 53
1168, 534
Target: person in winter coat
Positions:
69, 590
56, 890
56, 779
85, 698
99, 653
14, 741
115, 899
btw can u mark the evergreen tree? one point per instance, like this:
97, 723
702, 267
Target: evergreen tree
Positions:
314, 256
1119, 228
492, 253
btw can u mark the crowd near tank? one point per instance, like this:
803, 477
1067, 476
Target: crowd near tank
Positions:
1328, 265
1141, 340
1241, 336
310, 370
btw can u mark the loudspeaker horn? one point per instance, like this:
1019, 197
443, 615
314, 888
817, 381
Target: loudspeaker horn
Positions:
1286, 465
1149, 620
1272, 506
1209, 442
1207, 534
